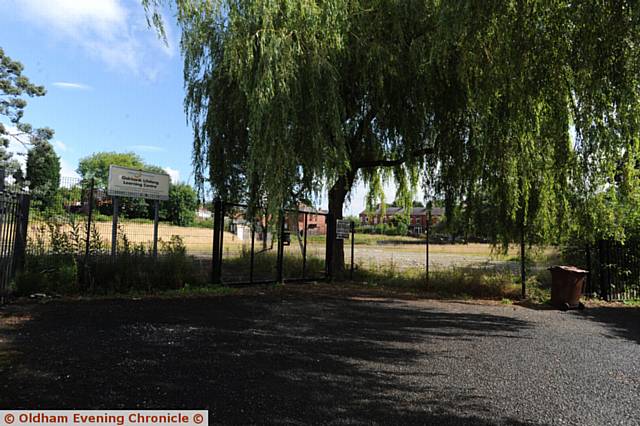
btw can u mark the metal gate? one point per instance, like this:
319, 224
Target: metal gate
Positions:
14, 211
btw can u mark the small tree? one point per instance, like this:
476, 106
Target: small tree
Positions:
43, 172
13, 88
180, 208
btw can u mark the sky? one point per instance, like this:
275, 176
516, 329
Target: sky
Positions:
112, 85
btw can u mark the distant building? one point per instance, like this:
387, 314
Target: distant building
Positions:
203, 213
316, 220
418, 217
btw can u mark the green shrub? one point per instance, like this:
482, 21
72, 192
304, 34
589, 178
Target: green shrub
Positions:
55, 263
49, 273
452, 282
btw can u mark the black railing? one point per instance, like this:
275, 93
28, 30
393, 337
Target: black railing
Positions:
263, 248
14, 217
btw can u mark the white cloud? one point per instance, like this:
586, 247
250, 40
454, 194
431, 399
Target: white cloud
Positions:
147, 148
174, 173
105, 29
69, 85
60, 146
66, 170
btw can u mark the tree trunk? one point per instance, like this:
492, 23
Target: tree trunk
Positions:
337, 195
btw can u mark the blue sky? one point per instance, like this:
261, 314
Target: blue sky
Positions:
112, 85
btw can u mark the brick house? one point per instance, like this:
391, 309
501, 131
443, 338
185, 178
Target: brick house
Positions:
316, 220
417, 217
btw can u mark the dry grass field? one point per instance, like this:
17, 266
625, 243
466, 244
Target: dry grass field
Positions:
371, 250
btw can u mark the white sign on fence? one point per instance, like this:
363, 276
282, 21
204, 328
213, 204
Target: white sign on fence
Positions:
125, 182
343, 229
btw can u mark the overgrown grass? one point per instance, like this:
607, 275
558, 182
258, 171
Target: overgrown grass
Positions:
236, 268
478, 283
134, 269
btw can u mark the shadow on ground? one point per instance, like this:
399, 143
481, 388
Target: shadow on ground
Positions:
623, 322
249, 359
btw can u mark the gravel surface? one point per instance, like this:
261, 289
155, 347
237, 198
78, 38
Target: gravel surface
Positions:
307, 355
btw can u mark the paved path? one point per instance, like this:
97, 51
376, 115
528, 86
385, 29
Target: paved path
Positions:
305, 356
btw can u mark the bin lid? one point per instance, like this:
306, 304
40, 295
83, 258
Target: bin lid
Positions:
573, 269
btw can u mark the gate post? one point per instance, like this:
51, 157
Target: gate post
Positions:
331, 237
22, 225
304, 247
280, 258
587, 253
353, 242
217, 230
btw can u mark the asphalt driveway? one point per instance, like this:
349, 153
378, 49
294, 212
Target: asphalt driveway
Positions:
300, 356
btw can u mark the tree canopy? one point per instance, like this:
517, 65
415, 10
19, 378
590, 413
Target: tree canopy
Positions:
97, 165
43, 171
525, 111
180, 208
14, 87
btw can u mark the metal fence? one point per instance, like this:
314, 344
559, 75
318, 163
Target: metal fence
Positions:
80, 220
14, 209
79, 217
262, 248
614, 269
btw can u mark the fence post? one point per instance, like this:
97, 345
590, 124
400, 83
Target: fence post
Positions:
304, 246
331, 236
2, 176
114, 225
523, 273
217, 226
428, 228
87, 245
253, 245
587, 253
353, 242
601, 272
156, 207
280, 258
20, 244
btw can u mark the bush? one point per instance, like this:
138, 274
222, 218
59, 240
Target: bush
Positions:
54, 264
51, 274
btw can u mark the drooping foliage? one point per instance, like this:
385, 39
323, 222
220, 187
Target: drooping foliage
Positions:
525, 113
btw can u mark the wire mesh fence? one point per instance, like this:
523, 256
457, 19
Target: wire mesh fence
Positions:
59, 223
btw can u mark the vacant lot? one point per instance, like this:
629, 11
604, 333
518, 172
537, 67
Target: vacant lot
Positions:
320, 354
372, 251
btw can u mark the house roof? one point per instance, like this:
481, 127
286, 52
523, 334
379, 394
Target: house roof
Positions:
415, 211
306, 209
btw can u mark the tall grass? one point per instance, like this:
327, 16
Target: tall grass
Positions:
55, 263
236, 268
453, 282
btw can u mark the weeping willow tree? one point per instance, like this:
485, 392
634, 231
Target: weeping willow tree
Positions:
524, 112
